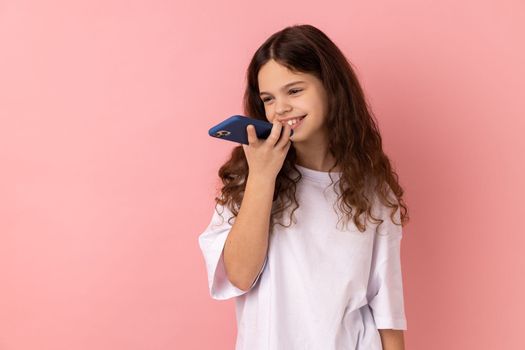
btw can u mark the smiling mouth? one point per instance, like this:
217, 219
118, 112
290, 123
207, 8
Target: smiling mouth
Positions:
295, 123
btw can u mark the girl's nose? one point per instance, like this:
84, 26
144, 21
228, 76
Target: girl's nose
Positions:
282, 109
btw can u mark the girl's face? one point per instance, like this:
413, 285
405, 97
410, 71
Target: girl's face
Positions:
287, 95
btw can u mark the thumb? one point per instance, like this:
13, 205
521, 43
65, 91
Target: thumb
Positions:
252, 137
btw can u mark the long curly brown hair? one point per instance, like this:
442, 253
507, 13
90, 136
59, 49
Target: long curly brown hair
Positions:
354, 138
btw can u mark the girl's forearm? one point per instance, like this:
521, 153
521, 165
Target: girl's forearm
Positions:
392, 339
247, 243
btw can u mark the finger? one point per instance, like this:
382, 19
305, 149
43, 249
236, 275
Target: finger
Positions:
285, 135
288, 145
275, 133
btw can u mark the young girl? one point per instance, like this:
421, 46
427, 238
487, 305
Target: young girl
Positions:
308, 282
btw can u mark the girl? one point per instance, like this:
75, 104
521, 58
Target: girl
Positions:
311, 283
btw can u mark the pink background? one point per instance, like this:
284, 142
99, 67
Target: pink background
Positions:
108, 175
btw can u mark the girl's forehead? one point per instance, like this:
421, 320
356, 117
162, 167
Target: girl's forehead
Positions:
273, 69
274, 76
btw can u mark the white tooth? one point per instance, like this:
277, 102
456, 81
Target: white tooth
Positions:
290, 122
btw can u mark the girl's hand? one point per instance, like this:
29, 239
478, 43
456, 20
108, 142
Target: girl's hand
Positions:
266, 157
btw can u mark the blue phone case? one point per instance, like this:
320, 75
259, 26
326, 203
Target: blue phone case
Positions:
234, 129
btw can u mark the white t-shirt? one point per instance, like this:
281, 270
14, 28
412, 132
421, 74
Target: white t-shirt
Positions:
319, 287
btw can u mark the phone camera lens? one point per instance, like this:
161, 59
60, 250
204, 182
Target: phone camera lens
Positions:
222, 133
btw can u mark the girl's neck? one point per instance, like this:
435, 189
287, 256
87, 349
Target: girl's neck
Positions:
318, 163
314, 154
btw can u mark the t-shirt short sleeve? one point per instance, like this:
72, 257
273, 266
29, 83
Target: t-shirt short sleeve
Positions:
211, 243
385, 287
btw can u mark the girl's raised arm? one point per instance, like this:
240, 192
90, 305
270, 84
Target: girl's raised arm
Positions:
247, 243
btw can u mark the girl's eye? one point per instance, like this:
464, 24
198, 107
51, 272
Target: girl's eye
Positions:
291, 91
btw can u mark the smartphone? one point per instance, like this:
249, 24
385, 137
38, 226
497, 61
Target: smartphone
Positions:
234, 129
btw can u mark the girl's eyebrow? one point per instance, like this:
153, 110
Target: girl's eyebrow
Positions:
285, 86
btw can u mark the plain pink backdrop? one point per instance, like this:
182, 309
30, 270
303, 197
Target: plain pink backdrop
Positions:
108, 175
